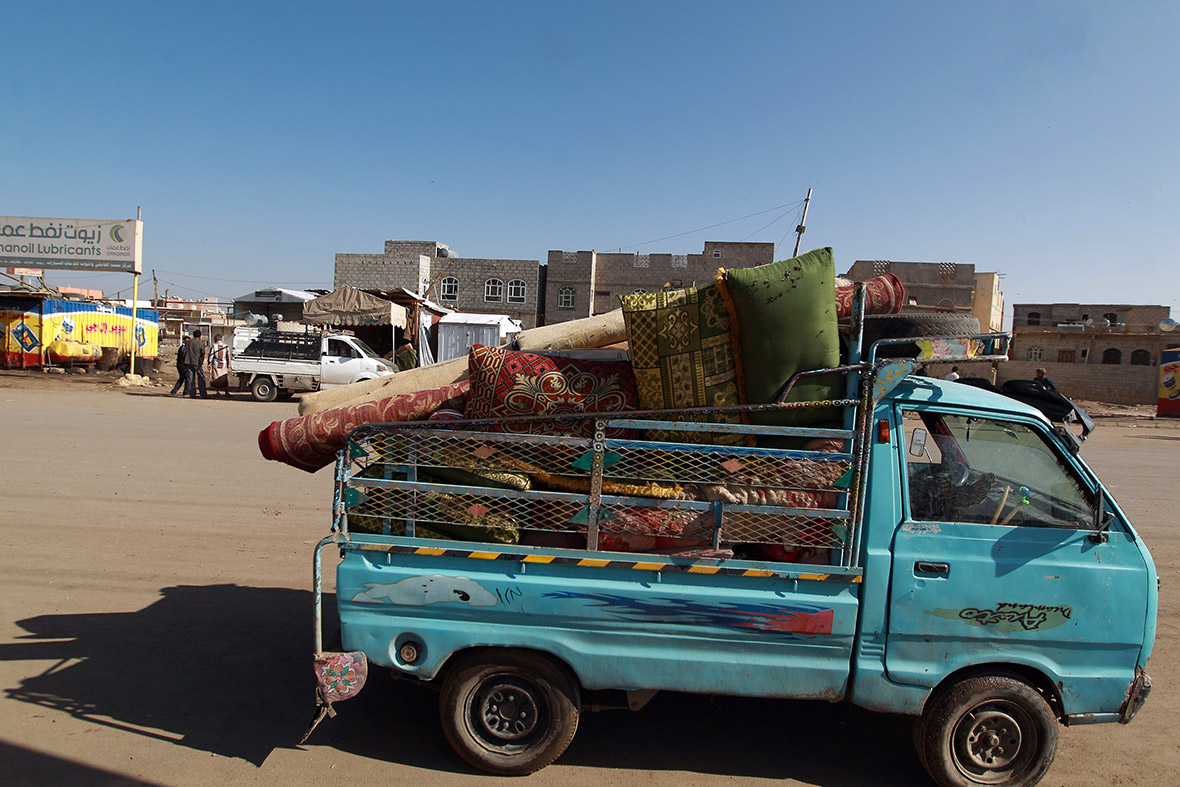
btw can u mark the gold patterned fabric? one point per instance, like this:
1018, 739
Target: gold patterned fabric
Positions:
682, 356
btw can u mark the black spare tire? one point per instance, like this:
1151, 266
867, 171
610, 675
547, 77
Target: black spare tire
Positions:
901, 326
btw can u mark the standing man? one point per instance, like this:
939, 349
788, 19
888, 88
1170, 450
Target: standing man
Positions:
194, 359
1045, 382
953, 374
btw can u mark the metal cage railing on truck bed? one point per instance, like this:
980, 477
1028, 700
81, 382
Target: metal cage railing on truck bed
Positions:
616, 489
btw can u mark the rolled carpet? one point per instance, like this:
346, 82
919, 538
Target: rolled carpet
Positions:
597, 331
421, 379
310, 442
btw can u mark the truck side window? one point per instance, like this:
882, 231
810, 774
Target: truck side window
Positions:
339, 349
985, 471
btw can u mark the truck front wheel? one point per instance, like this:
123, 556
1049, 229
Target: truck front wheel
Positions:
509, 712
263, 389
987, 729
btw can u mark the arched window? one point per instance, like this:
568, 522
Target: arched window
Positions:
493, 290
1140, 358
1112, 355
565, 298
450, 288
1036, 353
516, 291
1034, 318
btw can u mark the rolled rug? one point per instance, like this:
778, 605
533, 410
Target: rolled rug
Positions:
310, 442
597, 331
420, 379
884, 294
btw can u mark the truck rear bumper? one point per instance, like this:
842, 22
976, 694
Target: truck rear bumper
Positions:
1136, 696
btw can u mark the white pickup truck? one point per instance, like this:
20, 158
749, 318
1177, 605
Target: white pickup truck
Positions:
279, 363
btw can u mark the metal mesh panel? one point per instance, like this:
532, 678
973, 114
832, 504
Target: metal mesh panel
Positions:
491, 487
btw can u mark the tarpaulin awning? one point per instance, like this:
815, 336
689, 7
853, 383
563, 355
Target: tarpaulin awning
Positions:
350, 306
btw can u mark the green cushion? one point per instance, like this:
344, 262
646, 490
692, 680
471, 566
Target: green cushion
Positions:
682, 356
784, 320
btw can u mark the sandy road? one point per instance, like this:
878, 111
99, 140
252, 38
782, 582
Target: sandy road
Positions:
154, 627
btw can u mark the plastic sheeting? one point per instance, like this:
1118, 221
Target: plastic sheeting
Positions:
350, 306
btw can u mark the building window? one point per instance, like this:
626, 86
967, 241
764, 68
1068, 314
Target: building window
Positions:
1112, 318
1034, 318
565, 298
1066, 356
493, 290
1112, 355
716, 254
1140, 358
880, 267
450, 288
516, 291
947, 271
1036, 353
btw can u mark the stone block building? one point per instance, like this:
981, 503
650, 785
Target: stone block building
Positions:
582, 283
1103, 352
431, 269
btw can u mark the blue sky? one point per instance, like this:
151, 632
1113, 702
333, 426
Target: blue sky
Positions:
1037, 139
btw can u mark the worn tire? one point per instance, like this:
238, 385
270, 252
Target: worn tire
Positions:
263, 389
900, 326
509, 712
987, 729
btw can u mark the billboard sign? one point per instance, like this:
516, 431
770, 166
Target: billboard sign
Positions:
1168, 402
72, 244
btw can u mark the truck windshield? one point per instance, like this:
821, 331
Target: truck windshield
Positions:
995, 472
364, 348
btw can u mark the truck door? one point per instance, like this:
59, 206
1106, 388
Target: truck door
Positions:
998, 559
341, 363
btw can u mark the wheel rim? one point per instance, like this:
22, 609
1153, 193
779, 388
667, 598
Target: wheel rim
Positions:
507, 713
993, 741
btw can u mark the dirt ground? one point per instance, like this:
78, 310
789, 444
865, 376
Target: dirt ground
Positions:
155, 625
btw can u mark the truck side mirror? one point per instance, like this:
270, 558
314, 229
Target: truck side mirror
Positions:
918, 442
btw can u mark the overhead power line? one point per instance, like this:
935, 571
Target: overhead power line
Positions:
712, 226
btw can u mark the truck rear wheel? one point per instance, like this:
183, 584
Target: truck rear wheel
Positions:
987, 729
509, 712
263, 389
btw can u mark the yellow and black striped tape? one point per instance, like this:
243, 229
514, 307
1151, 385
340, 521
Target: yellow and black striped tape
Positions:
598, 562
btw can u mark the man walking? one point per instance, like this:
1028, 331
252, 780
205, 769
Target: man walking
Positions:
194, 359
182, 379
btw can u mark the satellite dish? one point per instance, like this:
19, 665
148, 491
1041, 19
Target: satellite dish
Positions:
1105, 323
1167, 325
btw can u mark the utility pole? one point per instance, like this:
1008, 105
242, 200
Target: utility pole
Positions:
155, 290
802, 224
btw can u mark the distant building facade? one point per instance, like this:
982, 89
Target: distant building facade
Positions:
1099, 352
572, 285
431, 269
942, 287
582, 283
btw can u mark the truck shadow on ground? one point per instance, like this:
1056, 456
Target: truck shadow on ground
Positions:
226, 669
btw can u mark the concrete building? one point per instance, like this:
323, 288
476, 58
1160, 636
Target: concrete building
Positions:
942, 287
1099, 352
431, 269
582, 283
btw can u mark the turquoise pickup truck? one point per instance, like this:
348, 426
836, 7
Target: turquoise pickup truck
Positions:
947, 554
